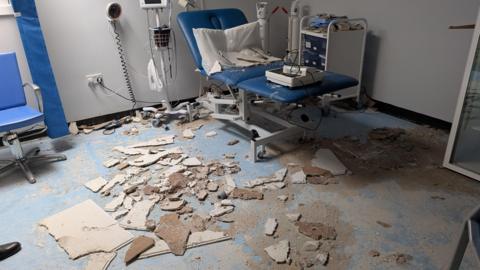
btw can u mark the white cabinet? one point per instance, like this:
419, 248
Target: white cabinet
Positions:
336, 51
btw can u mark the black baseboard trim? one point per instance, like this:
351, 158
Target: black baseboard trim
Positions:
412, 116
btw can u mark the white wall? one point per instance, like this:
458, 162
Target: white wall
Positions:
10, 42
413, 61
80, 42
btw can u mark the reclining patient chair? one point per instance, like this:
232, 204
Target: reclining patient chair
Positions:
247, 83
15, 114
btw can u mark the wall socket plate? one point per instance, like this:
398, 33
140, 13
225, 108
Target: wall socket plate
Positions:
94, 79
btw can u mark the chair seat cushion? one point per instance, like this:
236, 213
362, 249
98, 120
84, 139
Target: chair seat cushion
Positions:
331, 82
18, 117
232, 77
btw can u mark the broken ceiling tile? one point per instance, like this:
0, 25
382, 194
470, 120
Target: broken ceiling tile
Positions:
246, 194
137, 217
145, 160
283, 198
212, 186
226, 203
188, 134
278, 176
129, 151
279, 252
326, 159
139, 245
111, 162
196, 239
322, 258
274, 186
192, 162
270, 226
198, 223
103, 234
173, 232
128, 203
311, 245
117, 179
118, 214
171, 170
172, 205
100, 260
150, 224
113, 205
202, 195
96, 184
229, 184
317, 231
122, 166
149, 190
298, 178
155, 142
221, 210
293, 217
211, 134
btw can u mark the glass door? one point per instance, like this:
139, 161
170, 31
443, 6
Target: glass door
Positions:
463, 150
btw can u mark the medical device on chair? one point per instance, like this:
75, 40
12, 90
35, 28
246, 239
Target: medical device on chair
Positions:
294, 76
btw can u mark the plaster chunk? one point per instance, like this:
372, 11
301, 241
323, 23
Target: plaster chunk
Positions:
270, 226
279, 252
96, 184
115, 203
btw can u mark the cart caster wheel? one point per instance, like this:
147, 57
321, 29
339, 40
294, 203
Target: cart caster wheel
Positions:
262, 154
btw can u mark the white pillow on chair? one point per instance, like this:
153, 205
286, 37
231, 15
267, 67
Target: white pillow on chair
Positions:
213, 43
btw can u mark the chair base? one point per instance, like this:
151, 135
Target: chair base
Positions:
23, 159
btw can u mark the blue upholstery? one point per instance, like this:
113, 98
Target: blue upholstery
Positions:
18, 117
331, 82
14, 113
251, 79
234, 76
11, 90
211, 19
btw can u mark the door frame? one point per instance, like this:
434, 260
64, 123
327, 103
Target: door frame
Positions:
458, 111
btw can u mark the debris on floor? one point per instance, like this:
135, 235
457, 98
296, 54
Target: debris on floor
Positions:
279, 252
96, 184
270, 226
293, 217
139, 245
84, 229
100, 260
196, 239
233, 142
211, 134
398, 258
311, 245
383, 224
317, 231
137, 217
111, 162
174, 233
246, 194
188, 134
326, 159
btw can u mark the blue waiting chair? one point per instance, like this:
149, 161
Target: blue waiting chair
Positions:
15, 114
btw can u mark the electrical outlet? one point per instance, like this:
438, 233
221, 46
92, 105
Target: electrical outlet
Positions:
94, 79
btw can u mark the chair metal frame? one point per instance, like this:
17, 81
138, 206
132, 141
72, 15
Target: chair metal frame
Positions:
22, 158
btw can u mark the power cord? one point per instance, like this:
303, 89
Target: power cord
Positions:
102, 84
124, 65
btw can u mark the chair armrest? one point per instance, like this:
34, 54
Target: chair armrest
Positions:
38, 94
